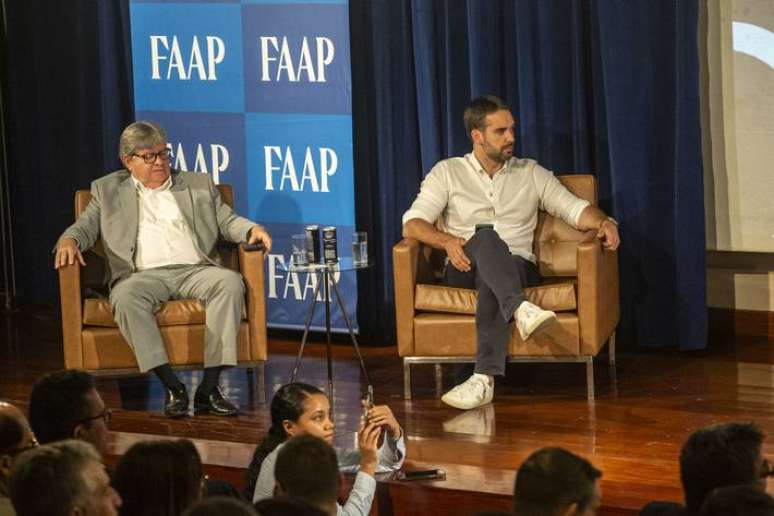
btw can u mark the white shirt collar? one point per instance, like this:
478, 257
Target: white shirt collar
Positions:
143, 189
473, 160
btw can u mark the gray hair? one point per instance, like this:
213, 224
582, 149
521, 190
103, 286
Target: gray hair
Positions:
140, 135
59, 468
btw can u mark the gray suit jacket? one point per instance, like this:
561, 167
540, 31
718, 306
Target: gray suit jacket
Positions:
112, 216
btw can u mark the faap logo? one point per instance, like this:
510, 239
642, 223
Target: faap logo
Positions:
304, 59
212, 158
186, 59
292, 285
308, 170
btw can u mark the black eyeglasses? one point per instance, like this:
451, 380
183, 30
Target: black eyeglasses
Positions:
150, 157
106, 415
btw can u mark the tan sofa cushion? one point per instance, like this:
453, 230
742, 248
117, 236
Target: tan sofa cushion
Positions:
439, 335
97, 312
105, 348
559, 297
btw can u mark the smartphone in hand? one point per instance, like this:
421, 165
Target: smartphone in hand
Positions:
367, 405
421, 474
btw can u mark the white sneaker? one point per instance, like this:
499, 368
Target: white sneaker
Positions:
531, 319
475, 391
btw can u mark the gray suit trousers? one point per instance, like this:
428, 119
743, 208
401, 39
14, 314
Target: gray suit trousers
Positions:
499, 277
136, 299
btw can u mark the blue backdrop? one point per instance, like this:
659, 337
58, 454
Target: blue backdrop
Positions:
258, 94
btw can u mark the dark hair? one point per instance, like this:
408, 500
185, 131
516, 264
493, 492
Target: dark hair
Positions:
11, 430
738, 501
552, 478
159, 478
286, 507
49, 479
718, 456
58, 403
307, 469
220, 506
287, 404
478, 109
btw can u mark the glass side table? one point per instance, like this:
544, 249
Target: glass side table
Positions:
324, 272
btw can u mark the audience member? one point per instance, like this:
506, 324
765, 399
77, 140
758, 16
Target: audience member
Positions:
718, 456
307, 469
220, 506
738, 501
15, 438
66, 405
62, 479
159, 478
286, 507
298, 409
555, 482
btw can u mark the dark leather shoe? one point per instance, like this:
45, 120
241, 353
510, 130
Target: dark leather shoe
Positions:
214, 403
176, 403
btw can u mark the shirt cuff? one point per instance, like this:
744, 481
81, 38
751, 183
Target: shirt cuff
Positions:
577, 209
364, 482
416, 214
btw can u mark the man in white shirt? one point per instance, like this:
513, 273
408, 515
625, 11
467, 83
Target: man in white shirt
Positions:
488, 201
159, 229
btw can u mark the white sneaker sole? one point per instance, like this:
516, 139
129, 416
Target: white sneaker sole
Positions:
465, 406
539, 324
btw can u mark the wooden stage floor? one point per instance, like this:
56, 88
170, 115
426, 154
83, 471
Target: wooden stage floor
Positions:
633, 432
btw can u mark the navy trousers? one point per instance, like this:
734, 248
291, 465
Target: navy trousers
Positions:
499, 277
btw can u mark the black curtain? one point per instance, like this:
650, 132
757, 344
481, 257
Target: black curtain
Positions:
67, 94
609, 87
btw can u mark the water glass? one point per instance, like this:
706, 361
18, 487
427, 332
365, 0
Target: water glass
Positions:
298, 246
360, 248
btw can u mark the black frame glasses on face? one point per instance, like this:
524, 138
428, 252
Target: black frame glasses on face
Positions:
150, 157
106, 415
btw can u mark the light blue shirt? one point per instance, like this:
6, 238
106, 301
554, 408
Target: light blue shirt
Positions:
391, 455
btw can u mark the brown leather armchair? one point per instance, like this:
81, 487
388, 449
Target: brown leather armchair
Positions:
579, 281
93, 342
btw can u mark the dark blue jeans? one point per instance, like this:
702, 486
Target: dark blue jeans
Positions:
499, 277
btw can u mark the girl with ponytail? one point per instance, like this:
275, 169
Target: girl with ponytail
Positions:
299, 408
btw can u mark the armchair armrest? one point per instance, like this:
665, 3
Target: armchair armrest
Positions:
72, 314
251, 265
598, 298
405, 256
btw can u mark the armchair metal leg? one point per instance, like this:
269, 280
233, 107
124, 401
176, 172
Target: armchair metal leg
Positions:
260, 381
590, 378
611, 349
438, 380
406, 380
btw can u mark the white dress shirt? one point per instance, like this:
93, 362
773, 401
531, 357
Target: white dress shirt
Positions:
460, 190
163, 236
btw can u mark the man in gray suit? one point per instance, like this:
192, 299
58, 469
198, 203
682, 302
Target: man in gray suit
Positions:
159, 229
